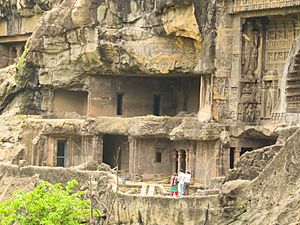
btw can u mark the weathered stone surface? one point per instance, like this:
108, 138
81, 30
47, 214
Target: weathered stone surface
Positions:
188, 210
132, 41
177, 128
24, 8
7, 84
173, 38
251, 164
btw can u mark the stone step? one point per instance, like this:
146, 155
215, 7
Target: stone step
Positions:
293, 86
294, 71
294, 94
151, 190
293, 78
144, 190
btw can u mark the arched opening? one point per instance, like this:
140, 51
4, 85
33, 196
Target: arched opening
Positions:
293, 85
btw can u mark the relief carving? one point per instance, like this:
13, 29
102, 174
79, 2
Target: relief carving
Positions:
250, 113
220, 88
250, 53
269, 102
249, 5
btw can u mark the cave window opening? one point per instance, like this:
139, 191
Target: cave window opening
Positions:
156, 105
158, 156
120, 104
61, 153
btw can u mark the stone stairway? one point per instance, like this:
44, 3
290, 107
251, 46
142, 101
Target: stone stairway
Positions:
153, 189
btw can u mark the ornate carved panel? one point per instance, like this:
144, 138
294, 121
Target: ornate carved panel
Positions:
293, 87
252, 5
280, 35
251, 70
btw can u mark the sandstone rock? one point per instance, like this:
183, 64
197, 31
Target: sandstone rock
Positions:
181, 22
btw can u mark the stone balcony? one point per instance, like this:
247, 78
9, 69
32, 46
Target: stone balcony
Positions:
174, 128
255, 5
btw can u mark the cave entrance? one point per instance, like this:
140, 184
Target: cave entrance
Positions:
246, 143
116, 151
244, 150
142, 96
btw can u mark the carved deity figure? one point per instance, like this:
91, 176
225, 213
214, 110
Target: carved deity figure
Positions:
247, 90
270, 104
207, 91
250, 113
250, 56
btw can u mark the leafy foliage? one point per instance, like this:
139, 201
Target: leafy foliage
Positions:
47, 204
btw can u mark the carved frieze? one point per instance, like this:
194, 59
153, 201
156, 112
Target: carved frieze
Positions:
221, 88
249, 113
280, 35
252, 5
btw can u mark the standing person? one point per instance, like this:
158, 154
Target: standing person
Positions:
187, 182
181, 176
174, 185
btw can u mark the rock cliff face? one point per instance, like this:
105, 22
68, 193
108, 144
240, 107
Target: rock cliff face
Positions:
132, 37
79, 38
24, 8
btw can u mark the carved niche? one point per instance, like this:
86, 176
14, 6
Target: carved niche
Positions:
251, 39
250, 83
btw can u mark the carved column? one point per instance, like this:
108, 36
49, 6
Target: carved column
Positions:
179, 160
98, 148
132, 156
174, 160
192, 161
187, 160
237, 153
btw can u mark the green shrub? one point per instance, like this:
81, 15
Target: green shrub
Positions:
47, 204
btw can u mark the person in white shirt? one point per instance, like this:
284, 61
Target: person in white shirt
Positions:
187, 181
181, 176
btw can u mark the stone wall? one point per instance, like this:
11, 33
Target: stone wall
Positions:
54, 174
171, 211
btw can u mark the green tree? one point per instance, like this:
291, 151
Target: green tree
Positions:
47, 204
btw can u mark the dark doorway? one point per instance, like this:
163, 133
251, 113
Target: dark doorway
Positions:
158, 157
231, 158
244, 150
61, 153
115, 151
120, 104
156, 105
